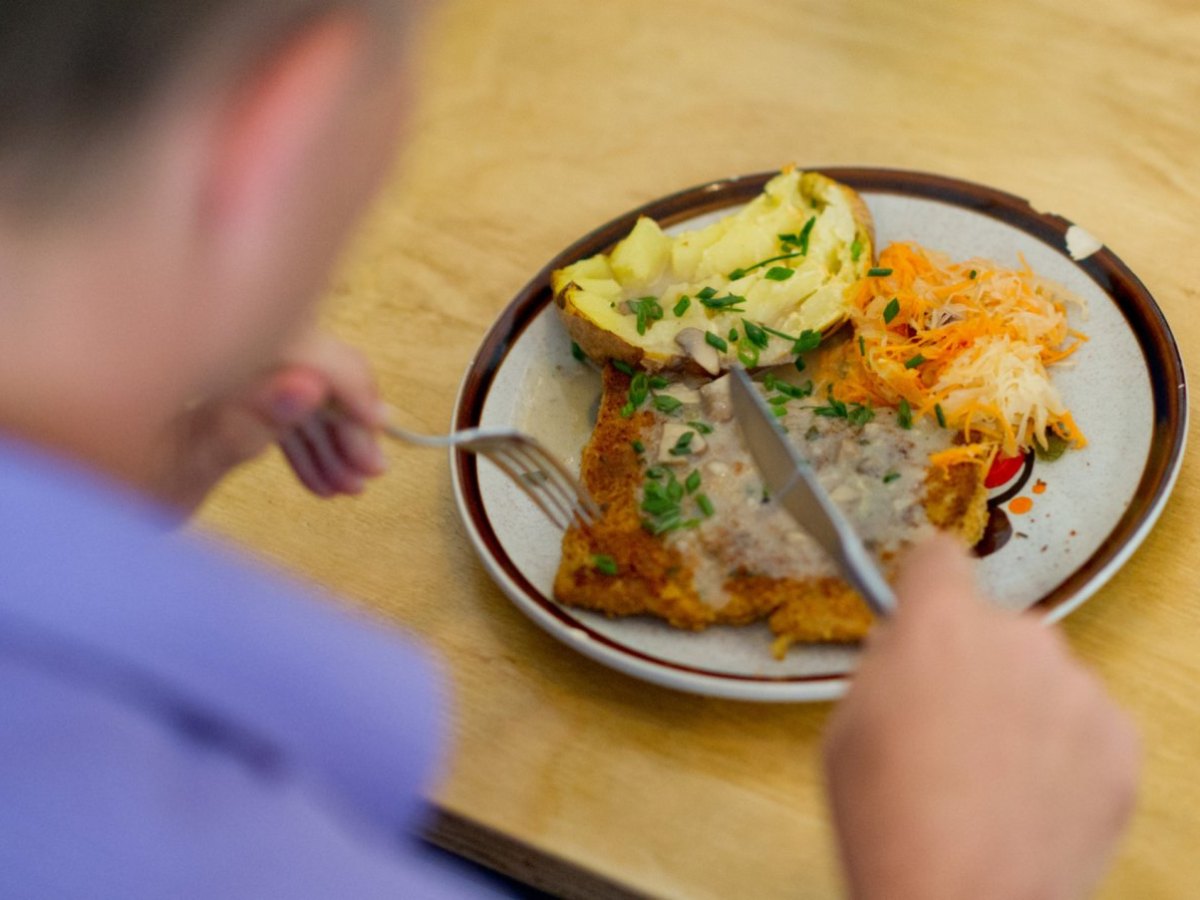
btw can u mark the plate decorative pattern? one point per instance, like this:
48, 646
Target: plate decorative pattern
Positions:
1060, 529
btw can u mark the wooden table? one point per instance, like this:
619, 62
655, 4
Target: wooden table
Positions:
540, 119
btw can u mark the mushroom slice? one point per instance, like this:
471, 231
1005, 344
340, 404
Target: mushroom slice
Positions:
695, 345
716, 400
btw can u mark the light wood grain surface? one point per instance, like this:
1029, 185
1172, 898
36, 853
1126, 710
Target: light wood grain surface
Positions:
538, 120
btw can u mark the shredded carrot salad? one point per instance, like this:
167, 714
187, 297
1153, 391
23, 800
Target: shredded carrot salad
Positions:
968, 343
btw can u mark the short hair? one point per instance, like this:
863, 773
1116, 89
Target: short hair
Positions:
75, 73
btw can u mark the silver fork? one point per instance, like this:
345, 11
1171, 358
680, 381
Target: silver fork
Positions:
543, 478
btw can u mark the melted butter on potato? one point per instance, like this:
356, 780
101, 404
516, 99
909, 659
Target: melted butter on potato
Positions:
734, 256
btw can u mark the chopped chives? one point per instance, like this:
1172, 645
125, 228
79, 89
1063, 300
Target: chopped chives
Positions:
878, 273
904, 415
715, 340
747, 355
692, 482
805, 233
941, 416
638, 446
639, 388
890, 477
705, 505
683, 445
682, 306
913, 361
666, 403
808, 341
729, 302
621, 366
755, 335
779, 273
604, 564
891, 311
702, 427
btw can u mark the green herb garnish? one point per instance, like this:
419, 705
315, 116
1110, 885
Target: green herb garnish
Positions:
683, 445
702, 427
835, 409
682, 306
779, 273
715, 340
878, 273
705, 505
692, 482
941, 416
904, 415
856, 249
639, 389
647, 310
665, 403
890, 477
706, 294
755, 335
638, 446
604, 564
891, 311
728, 303
862, 347
792, 391
657, 383
913, 361
577, 352
621, 366
808, 341
859, 414
747, 355
737, 274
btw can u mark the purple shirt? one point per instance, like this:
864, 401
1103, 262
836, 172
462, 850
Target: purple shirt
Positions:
175, 722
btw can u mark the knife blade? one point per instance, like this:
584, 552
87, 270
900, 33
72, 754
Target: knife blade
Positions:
793, 485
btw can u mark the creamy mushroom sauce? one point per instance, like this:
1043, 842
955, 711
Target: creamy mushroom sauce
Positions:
875, 473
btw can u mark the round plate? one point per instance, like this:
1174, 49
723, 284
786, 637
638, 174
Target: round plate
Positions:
1090, 509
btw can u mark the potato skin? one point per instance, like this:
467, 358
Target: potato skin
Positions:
602, 345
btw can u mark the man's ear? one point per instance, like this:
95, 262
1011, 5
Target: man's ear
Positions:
273, 127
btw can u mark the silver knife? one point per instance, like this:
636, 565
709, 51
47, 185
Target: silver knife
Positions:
794, 486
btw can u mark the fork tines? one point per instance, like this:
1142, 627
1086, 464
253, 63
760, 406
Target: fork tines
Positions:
543, 479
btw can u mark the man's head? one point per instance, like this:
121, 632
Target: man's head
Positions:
176, 180
77, 76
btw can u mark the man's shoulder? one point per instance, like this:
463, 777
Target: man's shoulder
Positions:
98, 576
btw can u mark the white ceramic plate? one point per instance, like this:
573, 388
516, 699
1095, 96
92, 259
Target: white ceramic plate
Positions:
1090, 511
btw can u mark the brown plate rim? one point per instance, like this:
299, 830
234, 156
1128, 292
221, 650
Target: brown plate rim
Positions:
1142, 314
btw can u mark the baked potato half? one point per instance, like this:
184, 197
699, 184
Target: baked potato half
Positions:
743, 289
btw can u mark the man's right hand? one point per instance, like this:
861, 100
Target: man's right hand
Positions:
972, 756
